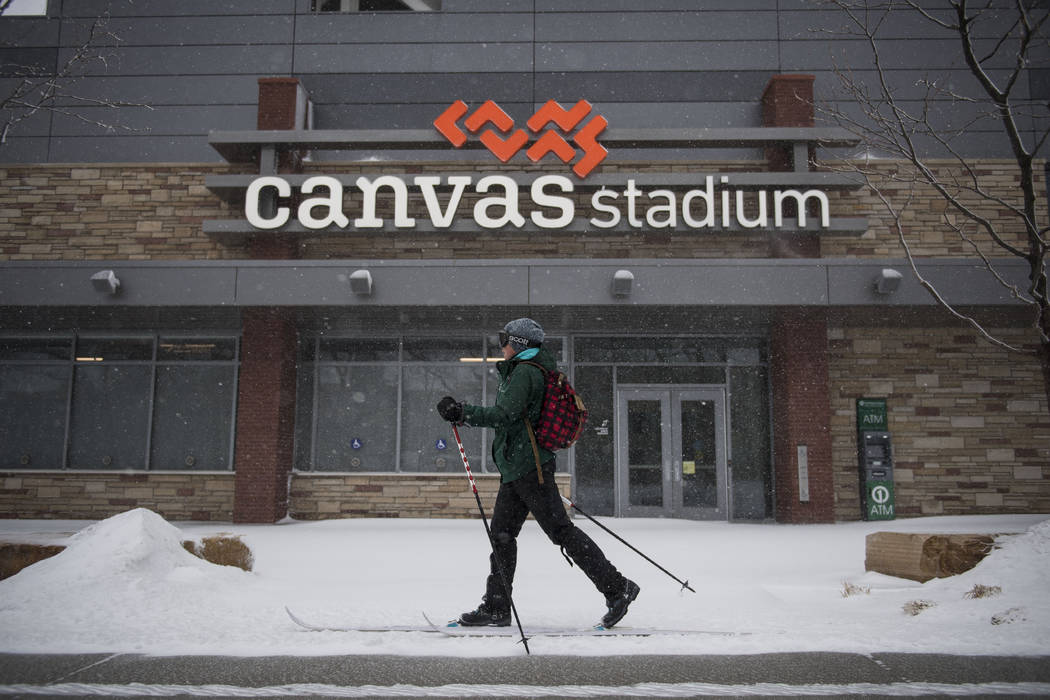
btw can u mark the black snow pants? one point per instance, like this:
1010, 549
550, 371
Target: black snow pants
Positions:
514, 502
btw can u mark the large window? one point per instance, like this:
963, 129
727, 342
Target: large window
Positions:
153, 401
368, 404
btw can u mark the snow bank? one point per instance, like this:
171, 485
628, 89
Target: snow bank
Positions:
126, 585
126, 578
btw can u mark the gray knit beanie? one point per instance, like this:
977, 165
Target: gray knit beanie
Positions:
524, 333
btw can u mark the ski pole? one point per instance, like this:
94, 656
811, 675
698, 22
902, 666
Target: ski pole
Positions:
488, 533
685, 584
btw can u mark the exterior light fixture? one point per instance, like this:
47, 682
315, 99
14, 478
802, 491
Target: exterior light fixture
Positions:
622, 282
361, 283
105, 281
888, 281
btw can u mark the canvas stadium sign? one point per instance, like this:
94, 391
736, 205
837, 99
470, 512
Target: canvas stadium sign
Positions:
706, 207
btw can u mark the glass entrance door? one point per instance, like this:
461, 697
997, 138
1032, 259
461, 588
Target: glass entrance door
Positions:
671, 456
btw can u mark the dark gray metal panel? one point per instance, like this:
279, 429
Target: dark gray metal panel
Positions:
948, 117
1040, 84
15, 62
131, 149
154, 122
646, 86
175, 90
895, 54
413, 88
403, 284
937, 5
486, 5
412, 27
960, 282
983, 138
191, 60
908, 84
183, 31
680, 114
829, 25
737, 284
401, 116
633, 6
58, 285
18, 149
657, 56
414, 58
30, 123
20, 32
166, 8
655, 26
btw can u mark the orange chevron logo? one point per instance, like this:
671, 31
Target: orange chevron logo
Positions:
504, 142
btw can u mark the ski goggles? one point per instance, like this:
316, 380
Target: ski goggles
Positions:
505, 337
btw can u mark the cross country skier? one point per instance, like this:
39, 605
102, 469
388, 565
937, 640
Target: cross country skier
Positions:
521, 391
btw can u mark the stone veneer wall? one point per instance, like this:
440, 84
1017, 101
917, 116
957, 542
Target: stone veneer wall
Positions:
330, 496
969, 421
154, 212
113, 212
94, 496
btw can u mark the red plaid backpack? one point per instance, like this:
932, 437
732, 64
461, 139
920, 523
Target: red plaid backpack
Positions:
562, 415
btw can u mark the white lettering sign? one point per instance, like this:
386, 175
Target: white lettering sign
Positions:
704, 207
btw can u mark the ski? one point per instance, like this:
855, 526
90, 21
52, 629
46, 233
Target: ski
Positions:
454, 629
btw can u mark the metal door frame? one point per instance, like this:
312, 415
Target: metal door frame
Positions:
670, 397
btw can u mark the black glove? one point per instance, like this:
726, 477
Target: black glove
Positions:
451, 410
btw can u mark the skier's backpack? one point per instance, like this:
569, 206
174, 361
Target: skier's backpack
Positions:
562, 416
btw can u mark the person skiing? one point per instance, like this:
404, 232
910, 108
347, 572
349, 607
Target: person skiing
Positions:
520, 394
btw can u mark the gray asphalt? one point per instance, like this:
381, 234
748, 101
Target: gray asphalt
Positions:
33, 675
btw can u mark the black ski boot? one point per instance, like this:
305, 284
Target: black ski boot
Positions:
618, 603
484, 616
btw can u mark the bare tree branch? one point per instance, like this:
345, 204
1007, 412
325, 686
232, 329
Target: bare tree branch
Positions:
44, 89
995, 46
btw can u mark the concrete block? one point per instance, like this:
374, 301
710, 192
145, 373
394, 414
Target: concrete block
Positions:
921, 557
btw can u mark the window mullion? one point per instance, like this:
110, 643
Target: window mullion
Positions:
149, 407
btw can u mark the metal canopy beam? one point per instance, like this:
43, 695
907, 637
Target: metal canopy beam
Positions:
839, 282
231, 230
244, 146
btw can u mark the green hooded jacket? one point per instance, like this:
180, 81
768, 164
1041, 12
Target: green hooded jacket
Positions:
521, 388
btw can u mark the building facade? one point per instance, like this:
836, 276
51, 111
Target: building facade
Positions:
237, 276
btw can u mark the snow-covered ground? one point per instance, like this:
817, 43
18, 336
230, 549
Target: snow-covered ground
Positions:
126, 585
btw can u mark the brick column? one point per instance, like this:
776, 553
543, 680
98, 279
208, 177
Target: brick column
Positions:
265, 416
801, 414
278, 103
266, 385
281, 101
788, 101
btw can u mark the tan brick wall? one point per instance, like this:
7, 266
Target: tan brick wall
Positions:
971, 432
330, 496
113, 212
94, 496
924, 221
